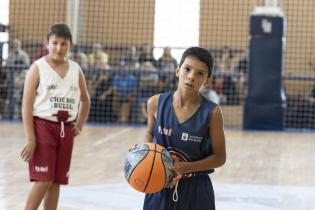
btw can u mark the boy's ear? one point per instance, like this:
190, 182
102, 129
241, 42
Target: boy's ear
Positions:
177, 71
207, 81
45, 43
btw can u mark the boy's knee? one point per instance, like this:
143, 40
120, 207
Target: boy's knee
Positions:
44, 184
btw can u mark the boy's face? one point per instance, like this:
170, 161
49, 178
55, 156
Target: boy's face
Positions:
192, 74
58, 47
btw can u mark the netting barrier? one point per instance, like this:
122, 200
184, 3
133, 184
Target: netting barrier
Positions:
129, 51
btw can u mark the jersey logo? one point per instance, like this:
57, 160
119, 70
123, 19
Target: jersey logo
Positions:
74, 88
165, 131
184, 136
52, 87
187, 137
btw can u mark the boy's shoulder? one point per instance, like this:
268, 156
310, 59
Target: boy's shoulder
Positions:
74, 64
38, 63
72, 61
166, 93
208, 101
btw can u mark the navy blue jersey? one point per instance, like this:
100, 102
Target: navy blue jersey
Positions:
188, 141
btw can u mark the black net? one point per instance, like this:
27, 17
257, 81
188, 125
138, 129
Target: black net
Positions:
129, 51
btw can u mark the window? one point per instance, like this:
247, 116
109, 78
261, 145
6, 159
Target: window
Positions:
4, 36
176, 25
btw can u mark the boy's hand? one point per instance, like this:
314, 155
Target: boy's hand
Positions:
177, 172
28, 151
175, 179
76, 130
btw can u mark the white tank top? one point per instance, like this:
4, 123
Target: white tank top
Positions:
55, 93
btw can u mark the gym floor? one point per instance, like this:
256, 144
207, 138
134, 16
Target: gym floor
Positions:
264, 170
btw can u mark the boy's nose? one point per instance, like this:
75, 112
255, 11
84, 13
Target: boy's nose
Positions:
191, 75
58, 47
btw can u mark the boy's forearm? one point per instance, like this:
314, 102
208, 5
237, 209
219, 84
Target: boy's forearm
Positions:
210, 162
148, 137
83, 113
28, 125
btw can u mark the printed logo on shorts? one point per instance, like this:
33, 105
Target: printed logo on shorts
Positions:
41, 169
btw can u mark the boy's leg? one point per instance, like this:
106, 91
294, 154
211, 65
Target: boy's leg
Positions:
51, 197
42, 165
36, 195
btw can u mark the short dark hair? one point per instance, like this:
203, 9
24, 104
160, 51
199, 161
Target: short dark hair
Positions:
201, 54
60, 30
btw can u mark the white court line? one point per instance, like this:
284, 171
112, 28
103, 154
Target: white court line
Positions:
110, 137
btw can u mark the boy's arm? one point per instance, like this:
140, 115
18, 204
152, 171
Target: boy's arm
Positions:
216, 129
152, 111
84, 106
30, 86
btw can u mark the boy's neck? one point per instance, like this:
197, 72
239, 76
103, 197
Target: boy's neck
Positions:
55, 62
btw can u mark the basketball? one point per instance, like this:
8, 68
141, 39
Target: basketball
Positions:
148, 168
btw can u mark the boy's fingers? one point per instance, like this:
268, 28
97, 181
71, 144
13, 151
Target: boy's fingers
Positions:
171, 185
28, 157
25, 155
175, 179
22, 153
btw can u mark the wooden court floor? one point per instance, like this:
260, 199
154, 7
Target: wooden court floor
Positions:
276, 159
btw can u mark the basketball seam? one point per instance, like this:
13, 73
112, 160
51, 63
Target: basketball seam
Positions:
137, 164
164, 169
140, 161
151, 168
146, 150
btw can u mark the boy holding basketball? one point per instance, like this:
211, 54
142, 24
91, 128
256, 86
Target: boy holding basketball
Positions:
191, 128
55, 107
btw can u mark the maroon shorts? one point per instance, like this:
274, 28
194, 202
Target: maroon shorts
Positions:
52, 156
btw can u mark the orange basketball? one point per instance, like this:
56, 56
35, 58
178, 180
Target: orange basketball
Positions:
148, 167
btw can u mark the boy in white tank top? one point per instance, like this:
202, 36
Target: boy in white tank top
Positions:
55, 106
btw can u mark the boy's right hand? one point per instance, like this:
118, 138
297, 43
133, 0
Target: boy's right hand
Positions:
28, 151
177, 174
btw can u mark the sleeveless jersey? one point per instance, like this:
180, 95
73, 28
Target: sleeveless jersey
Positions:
56, 94
188, 141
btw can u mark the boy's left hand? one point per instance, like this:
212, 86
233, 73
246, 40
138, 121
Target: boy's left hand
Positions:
28, 151
76, 130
